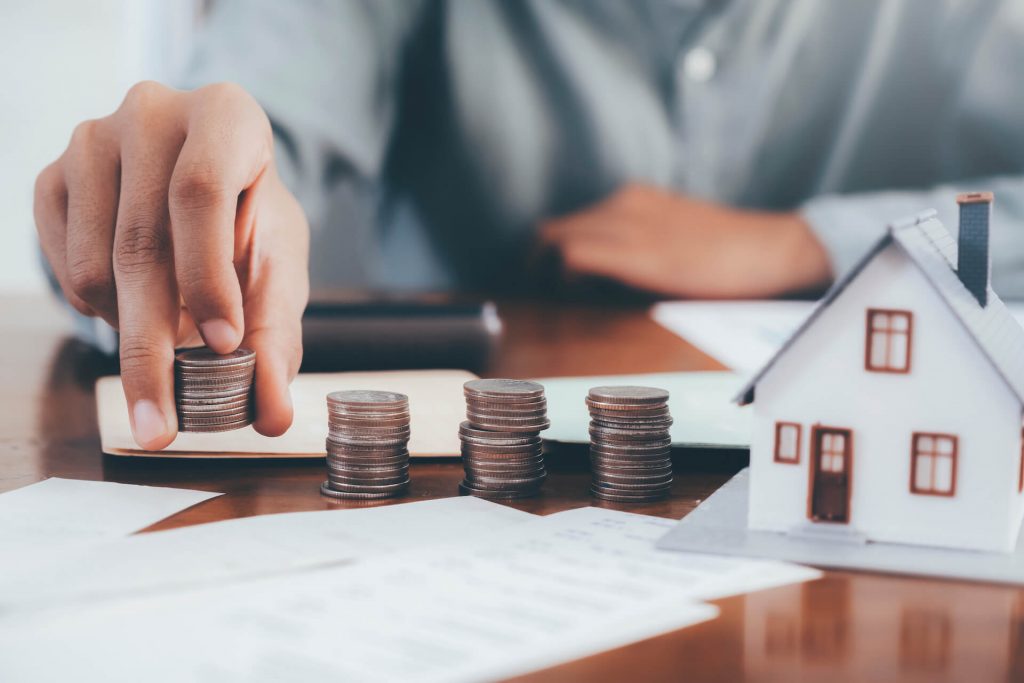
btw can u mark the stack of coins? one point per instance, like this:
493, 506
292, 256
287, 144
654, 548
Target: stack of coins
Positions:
630, 443
367, 445
501, 446
213, 392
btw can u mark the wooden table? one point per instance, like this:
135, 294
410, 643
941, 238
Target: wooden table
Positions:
847, 626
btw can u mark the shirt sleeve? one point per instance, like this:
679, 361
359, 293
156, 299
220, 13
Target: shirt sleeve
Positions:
849, 224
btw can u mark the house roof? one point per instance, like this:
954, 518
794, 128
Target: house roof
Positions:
934, 251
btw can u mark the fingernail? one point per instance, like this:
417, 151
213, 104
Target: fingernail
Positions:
219, 335
150, 424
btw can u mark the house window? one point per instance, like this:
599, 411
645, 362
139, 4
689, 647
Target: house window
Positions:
933, 464
787, 442
889, 335
833, 452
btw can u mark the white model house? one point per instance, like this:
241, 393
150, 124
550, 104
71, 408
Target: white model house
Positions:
895, 412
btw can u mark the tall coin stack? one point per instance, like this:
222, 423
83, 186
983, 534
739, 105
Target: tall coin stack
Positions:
630, 444
213, 392
501, 447
367, 445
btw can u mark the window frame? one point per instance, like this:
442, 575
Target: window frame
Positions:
779, 426
870, 331
934, 454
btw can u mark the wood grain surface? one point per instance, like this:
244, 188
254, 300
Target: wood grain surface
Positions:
848, 626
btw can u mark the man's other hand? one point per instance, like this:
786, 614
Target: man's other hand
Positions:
167, 219
670, 245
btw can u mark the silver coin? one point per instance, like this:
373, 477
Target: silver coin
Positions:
512, 410
502, 466
344, 482
505, 389
616, 497
214, 384
524, 428
326, 490
227, 427
363, 487
469, 432
200, 404
365, 449
206, 357
239, 411
653, 423
211, 394
341, 422
467, 489
611, 434
628, 394
368, 442
532, 485
638, 410
634, 489
500, 449
370, 479
361, 398
489, 404
497, 446
189, 421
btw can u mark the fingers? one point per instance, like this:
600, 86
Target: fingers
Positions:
147, 296
278, 287
50, 207
228, 146
92, 167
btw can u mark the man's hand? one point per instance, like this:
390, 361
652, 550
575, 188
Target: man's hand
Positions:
167, 219
650, 239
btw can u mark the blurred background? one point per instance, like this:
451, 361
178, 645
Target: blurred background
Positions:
65, 61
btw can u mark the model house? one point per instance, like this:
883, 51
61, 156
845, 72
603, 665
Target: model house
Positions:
894, 413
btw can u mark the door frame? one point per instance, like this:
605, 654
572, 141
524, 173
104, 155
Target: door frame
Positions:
814, 462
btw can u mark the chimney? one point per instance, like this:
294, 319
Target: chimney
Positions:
973, 260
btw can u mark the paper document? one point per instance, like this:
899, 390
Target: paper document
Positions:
536, 594
744, 335
246, 548
56, 512
435, 403
700, 402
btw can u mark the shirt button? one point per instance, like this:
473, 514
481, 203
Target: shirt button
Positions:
699, 65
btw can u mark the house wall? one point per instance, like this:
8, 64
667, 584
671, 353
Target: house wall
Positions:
951, 388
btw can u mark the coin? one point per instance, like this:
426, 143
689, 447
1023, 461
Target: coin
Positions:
212, 391
325, 489
618, 497
628, 394
469, 489
630, 457
205, 357
502, 452
367, 444
507, 390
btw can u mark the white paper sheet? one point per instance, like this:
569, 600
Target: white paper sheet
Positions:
701, 405
246, 548
743, 335
58, 511
539, 593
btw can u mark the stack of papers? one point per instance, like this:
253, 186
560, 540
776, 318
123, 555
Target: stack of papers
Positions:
449, 590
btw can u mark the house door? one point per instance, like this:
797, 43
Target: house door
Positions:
831, 471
